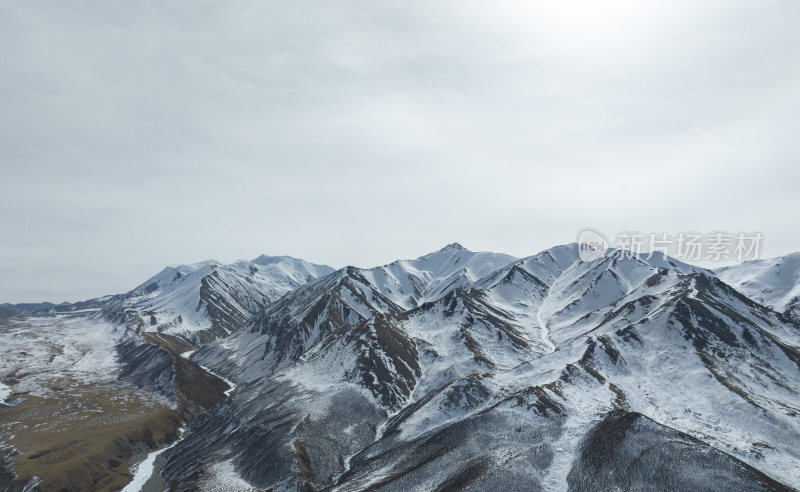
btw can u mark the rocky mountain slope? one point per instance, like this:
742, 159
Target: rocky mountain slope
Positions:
471, 371
210, 299
85, 388
505, 380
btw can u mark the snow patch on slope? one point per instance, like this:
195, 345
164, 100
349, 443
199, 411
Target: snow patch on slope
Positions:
774, 282
222, 477
39, 350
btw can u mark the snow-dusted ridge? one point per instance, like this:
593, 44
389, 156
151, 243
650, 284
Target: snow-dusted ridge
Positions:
209, 298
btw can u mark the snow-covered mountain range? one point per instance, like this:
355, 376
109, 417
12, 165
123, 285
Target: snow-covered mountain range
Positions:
774, 282
210, 299
464, 370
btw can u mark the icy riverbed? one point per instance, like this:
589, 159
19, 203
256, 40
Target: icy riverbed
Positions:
144, 471
5, 392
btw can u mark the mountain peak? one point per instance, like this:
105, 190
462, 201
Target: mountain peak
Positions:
455, 247
447, 251
268, 260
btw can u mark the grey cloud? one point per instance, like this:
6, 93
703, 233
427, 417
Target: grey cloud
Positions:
141, 134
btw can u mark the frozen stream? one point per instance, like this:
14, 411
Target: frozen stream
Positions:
143, 471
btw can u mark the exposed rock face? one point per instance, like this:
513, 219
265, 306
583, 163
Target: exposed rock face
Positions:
147, 365
157, 364
628, 451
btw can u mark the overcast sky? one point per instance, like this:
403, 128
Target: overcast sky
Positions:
137, 134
